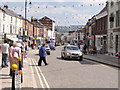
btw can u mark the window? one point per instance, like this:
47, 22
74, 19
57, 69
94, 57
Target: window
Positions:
118, 18
11, 29
3, 16
112, 3
111, 19
11, 19
3, 28
101, 41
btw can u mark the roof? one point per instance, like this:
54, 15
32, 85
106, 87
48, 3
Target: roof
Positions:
103, 10
37, 24
10, 12
46, 18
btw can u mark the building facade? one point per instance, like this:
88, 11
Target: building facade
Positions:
11, 23
50, 24
113, 26
101, 28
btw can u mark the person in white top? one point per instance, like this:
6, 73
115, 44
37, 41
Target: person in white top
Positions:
5, 51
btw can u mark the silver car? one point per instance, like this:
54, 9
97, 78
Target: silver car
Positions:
71, 52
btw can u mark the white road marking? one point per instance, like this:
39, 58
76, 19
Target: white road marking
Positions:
40, 79
35, 86
25, 61
45, 81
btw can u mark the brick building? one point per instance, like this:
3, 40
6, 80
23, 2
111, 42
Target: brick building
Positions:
50, 24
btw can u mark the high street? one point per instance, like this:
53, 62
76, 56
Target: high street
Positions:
61, 73
72, 73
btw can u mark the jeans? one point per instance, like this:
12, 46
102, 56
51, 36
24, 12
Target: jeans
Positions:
4, 59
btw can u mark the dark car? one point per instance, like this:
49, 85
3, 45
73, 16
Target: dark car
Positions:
52, 47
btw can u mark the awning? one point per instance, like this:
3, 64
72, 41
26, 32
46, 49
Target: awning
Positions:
13, 39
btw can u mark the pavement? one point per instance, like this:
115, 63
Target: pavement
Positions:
28, 74
104, 59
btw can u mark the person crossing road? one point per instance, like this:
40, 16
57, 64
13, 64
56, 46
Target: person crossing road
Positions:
42, 54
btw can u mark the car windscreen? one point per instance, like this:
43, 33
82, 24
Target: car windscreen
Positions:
72, 48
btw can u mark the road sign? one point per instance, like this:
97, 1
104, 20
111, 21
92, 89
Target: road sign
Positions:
18, 79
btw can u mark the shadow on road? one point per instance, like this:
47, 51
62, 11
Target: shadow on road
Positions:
6, 78
82, 62
88, 62
67, 59
4, 75
36, 54
32, 65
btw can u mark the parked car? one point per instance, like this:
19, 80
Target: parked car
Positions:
71, 52
47, 49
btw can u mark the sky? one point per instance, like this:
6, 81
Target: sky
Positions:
63, 12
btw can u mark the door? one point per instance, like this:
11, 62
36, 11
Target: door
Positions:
116, 43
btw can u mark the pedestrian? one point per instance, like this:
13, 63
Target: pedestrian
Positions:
14, 54
85, 49
42, 54
23, 51
11, 57
32, 45
81, 46
5, 50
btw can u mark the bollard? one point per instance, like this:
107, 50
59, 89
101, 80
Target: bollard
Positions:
14, 68
22, 55
20, 68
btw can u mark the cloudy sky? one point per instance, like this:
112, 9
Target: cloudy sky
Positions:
64, 12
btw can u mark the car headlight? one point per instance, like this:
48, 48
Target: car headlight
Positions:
80, 54
68, 54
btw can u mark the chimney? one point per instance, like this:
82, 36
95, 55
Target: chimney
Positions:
33, 19
5, 6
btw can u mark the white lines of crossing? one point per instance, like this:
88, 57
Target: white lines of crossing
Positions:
42, 79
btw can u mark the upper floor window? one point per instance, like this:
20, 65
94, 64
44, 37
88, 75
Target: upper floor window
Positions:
118, 18
111, 19
112, 3
3, 16
11, 29
11, 20
3, 28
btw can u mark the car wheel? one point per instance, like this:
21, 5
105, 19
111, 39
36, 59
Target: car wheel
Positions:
62, 56
81, 58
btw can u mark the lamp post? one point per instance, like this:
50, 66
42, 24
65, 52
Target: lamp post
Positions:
25, 16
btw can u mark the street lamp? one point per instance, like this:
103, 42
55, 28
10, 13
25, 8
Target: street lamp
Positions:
26, 15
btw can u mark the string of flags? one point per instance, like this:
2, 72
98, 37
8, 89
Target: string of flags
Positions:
36, 7
52, 6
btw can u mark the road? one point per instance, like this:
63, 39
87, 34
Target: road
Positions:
61, 73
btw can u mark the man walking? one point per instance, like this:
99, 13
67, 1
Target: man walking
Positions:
5, 50
42, 54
